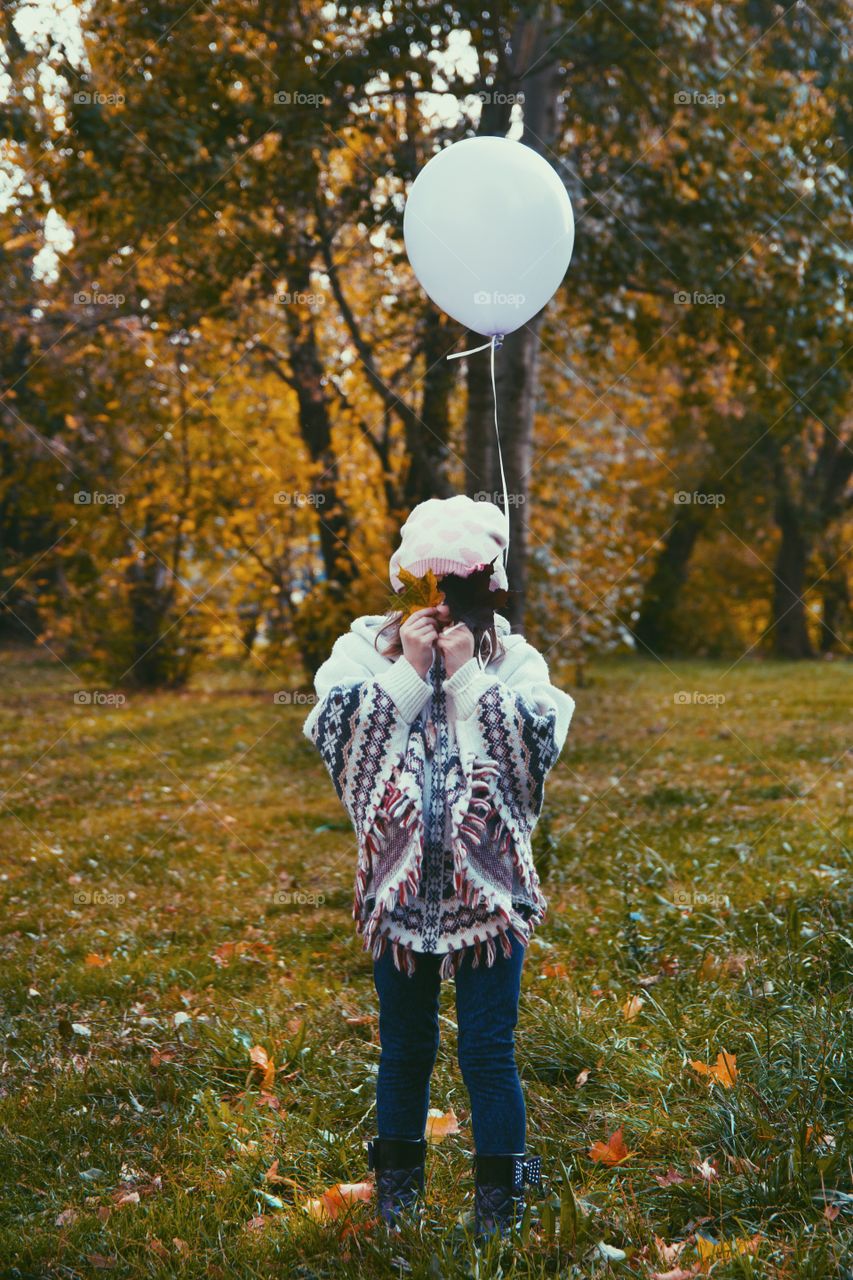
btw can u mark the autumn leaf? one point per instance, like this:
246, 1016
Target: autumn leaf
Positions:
263, 1065
717, 1250
669, 1253
94, 961
611, 1152
632, 1007
582, 1078
669, 1179
707, 1170
440, 1124
337, 1200
417, 593
554, 969
723, 1071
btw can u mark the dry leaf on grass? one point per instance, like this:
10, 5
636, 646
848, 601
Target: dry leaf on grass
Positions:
707, 1170
632, 1007
439, 1124
669, 1179
717, 1250
262, 1066
611, 1152
723, 1071
336, 1201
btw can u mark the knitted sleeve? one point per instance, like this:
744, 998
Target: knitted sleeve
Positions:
361, 724
510, 733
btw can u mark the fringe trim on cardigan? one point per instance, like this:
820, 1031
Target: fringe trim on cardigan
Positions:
482, 950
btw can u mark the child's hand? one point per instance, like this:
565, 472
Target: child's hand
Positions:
417, 636
456, 644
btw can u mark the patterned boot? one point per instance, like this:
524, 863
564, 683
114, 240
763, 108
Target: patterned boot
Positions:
499, 1192
399, 1165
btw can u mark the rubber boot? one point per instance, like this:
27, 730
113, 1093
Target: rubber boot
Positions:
499, 1192
399, 1165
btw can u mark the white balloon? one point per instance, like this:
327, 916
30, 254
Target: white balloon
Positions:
489, 232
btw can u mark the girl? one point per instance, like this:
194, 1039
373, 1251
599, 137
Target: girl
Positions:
439, 756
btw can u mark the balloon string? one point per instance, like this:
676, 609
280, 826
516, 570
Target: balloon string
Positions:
493, 344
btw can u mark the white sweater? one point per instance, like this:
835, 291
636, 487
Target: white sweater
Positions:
443, 780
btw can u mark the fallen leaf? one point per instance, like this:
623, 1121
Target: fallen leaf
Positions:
94, 961
263, 1064
723, 1071
719, 1249
126, 1197
272, 1174
669, 1252
65, 1218
610, 1253
554, 969
669, 1179
582, 1078
632, 1007
337, 1200
440, 1124
611, 1152
707, 1169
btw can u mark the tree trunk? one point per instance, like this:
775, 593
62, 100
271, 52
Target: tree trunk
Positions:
654, 629
516, 361
835, 590
426, 441
790, 631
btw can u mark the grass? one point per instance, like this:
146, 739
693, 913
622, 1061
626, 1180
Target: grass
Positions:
695, 854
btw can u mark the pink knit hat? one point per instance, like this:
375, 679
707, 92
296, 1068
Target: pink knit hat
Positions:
451, 535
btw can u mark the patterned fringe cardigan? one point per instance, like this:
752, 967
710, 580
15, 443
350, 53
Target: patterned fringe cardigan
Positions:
443, 780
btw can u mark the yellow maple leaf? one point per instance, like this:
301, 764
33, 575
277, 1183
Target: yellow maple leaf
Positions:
417, 593
723, 1071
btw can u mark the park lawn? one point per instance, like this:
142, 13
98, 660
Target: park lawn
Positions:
177, 882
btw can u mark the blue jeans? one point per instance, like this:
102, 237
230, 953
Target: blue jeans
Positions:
486, 1015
